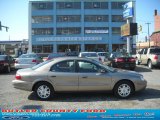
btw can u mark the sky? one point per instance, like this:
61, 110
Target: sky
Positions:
14, 14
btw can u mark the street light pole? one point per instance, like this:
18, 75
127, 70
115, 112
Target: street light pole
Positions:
148, 34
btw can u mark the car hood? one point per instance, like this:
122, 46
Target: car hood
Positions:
128, 73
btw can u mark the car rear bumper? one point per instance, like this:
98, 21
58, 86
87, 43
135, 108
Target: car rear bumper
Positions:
23, 85
125, 65
21, 66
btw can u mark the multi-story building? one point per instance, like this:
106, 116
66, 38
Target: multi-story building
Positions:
78, 25
155, 37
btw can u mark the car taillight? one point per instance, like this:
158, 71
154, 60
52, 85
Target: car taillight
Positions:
119, 60
34, 60
156, 57
2, 62
18, 77
132, 60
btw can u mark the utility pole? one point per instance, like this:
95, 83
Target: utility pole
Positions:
148, 34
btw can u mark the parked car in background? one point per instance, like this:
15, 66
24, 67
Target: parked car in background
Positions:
27, 60
6, 63
102, 56
55, 55
91, 55
77, 74
72, 53
149, 56
119, 60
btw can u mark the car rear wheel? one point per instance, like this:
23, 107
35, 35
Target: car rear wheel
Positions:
8, 69
123, 89
44, 91
137, 61
150, 66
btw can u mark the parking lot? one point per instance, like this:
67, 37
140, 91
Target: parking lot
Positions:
11, 98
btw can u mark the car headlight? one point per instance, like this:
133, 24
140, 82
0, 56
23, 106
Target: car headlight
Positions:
142, 78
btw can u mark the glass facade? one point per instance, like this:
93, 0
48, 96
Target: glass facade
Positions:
96, 5
117, 18
117, 5
68, 31
42, 31
68, 5
76, 25
42, 19
96, 18
42, 6
68, 18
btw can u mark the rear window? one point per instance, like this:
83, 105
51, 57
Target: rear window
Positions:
41, 64
154, 50
89, 55
2, 57
28, 56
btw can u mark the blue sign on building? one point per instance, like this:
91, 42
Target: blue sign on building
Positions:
128, 10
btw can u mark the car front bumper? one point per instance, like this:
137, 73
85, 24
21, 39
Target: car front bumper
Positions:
139, 86
23, 85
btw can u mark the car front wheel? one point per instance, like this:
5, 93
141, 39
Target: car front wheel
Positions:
44, 91
123, 89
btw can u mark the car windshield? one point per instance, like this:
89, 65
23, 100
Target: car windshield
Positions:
2, 57
117, 54
41, 64
28, 56
157, 50
89, 55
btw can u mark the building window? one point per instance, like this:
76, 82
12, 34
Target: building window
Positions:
42, 19
47, 48
96, 18
117, 5
96, 30
68, 5
96, 5
42, 31
116, 30
42, 6
117, 18
42, 48
68, 18
68, 30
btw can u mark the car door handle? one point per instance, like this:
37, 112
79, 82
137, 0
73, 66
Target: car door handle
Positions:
85, 77
53, 76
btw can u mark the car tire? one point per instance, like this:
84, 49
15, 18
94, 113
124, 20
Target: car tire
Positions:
133, 68
137, 61
44, 91
150, 66
123, 89
8, 69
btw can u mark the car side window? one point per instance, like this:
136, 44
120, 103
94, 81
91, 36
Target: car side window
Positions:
87, 67
65, 66
141, 52
145, 51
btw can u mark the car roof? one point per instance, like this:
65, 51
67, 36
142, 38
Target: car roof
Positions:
71, 58
87, 52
